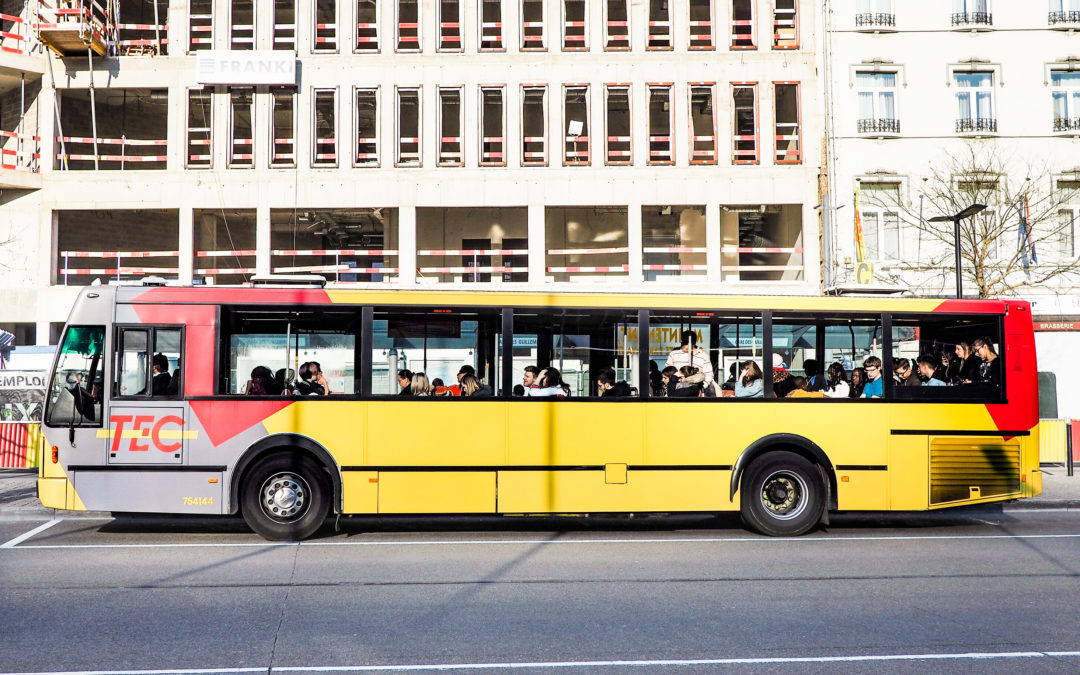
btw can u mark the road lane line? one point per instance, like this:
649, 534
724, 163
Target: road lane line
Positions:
643, 663
12, 543
554, 542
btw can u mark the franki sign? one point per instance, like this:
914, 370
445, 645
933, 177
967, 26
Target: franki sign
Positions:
237, 67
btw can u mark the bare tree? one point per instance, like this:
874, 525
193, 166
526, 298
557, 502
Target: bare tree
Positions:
1026, 219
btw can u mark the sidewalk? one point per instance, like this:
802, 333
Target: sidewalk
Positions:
18, 495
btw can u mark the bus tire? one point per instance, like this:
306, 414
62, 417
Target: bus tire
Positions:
783, 495
285, 497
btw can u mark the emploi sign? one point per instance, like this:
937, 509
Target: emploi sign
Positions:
254, 67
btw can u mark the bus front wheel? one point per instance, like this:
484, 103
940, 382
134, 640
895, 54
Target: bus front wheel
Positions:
286, 497
783, 495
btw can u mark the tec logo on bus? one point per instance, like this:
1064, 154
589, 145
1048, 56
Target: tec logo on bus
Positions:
162, 432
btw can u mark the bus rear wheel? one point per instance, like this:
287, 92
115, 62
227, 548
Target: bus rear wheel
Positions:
285, 497
783, 495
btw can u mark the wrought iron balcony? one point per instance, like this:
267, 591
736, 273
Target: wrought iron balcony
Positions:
875, 19
1067, 124
973, 19
879, 126
1064, 17
978, 124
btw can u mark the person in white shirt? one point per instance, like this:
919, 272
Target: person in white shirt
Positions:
690, 355
836, 385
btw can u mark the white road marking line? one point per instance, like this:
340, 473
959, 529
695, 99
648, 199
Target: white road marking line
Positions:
554, 542
860, 658
12, 543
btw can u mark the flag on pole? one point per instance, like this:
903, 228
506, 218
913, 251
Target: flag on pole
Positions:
860, 250
1024, 242
1027, 226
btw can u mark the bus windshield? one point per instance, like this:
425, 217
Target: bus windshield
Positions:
76, 385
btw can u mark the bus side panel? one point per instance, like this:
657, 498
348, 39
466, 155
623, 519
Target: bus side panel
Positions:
588, 491
434, 432
151, 491
575, 433
909, 480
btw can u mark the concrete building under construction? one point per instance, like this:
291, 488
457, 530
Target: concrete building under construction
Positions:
651, 145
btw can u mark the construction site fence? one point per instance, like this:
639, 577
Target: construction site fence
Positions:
19, 444
1054, 440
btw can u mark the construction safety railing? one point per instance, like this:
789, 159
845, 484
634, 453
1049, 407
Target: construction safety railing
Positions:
701, 34
210, 263
200, 32
325, 151
491, 151
367, 36
617, 36
660, 150
651, 251
14, 35
588, 269
788, 147
110, 153
785, 28
574, 36
72, 26
480, 263
325, 37
142, 39
618, 149
491, 35
577, 150
120, 271
764, 250
20, 152
345, 265
659, 35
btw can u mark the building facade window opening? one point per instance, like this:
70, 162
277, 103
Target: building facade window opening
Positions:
367, 26
586, 243
408, 127
702, 125
283, 142
659, 25
491, 26
492, 127
200, 25
744, 122
224, 246
284, 38
742, 24
325, 38
241, 128
877, 102
534, 126
575, 13
451, 148
785, 24
616, 25
702, 36
408, 25
767, 242
324, 128
576, 118
787, 131
618, 125
200, 128
975, 102
450, 26
242, 25
142, 27
367, 125
879, 215
660, 112
346, 245
673, 239
1065, 94
532, 25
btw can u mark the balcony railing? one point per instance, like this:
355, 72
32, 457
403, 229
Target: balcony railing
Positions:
875, 19
978, 124
879, 126
973, 19
1067, 124
1064, 17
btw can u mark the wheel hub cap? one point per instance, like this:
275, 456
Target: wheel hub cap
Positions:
284, 496
783, 495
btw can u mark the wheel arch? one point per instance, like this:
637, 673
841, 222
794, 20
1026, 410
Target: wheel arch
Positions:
800, 445
294, 443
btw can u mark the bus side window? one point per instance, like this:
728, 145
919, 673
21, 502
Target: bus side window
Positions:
166, 363
943, 358
132, 363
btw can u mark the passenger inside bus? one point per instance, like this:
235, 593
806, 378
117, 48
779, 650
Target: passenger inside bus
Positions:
611, 387
159, 383
312, 382
750, 383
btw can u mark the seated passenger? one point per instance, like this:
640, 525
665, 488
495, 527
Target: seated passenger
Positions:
733, 377
989, 370
473, 388
610, 387
858, 382
874, 387
311, 382
691, 383
261, 382
783, 382
174, 381
836, 385
688, 354
814, 380
927, 368
965, 369
802, 389
283, 380
550, 384
905, 374
420, 385
749, 384
159, 384
669, 379
439, 388
404, 380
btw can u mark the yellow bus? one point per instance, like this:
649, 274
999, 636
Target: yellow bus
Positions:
285, 404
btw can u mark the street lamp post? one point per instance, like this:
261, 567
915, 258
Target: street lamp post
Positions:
966, 213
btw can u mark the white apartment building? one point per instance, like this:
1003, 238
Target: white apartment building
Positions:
910, 83
615, 144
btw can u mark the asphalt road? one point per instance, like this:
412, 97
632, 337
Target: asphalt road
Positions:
967, 591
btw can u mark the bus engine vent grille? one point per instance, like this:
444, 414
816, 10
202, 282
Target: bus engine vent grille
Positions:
966, 469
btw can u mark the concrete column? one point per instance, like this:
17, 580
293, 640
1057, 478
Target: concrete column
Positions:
639, 123
176, 130
764, 123
41, 333
221, 26
186, 261
407, 245
679, 12
304, 20
260, 127
49, 222
48, 129
262, 239
264, 25
680, 123
178, 18
537, 244
511, 21
635, 242
221, 118
713, 243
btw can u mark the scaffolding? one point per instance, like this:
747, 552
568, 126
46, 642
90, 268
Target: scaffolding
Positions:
69, 27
